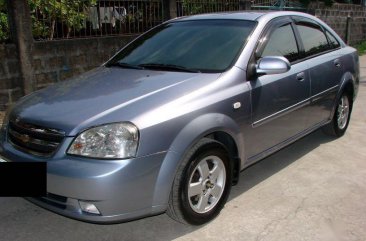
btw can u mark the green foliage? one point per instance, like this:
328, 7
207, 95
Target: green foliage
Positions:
45, 15
191, 7
2, 5
70, 12
4, 27
361, 48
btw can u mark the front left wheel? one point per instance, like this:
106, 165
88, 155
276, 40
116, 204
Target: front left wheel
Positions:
202, 184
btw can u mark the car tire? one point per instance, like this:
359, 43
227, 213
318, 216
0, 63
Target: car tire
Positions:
202, 184
338, 126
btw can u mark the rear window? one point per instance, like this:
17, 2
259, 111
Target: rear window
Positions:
313, 38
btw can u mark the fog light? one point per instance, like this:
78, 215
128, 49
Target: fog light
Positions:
88, 207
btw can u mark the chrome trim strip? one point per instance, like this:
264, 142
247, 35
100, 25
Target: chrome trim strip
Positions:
28, 151
32, 140
281, 113
318, 96
290, 108
40, 130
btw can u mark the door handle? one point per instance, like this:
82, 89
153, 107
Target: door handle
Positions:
337, 63
300, 76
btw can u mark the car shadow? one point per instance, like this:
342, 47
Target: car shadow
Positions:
269, 166
51, 226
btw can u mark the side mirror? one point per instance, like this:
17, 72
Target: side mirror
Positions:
272, 65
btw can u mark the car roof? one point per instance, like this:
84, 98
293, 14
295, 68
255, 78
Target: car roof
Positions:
248, 15
242, 15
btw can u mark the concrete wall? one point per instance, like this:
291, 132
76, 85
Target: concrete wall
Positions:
336, 17
54, 61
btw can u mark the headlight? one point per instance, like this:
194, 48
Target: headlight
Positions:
117, 140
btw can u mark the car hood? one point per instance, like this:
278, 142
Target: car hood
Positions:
105, 95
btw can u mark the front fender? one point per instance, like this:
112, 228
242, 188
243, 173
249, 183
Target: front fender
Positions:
186, 138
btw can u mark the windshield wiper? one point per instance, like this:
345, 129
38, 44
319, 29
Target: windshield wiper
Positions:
125, 65
168, 67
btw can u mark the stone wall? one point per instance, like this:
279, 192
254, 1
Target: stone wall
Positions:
336, 17
54, 61
9, 75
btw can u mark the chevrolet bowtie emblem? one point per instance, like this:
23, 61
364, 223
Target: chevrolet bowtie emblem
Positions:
24, 138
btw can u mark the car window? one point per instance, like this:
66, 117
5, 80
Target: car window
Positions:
333, 42
282, 42
313, 38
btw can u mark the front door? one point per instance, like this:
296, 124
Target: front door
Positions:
277, 99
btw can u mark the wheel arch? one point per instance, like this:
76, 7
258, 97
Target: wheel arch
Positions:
228, 141
217, 126
348, 84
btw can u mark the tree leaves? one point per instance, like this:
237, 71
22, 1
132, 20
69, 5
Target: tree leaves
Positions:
72, 13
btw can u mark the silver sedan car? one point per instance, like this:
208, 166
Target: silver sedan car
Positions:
168, 123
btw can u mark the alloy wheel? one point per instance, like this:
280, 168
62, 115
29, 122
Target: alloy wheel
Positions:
206, 184
343, 112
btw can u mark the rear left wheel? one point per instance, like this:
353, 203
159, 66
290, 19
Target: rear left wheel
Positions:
338, 125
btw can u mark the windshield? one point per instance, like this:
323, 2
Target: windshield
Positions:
191, 46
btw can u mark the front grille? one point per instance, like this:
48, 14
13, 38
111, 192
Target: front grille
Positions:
34, 139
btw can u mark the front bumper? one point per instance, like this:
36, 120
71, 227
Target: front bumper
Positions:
120, 189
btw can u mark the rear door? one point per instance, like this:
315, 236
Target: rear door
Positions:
321, 55
278, 99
